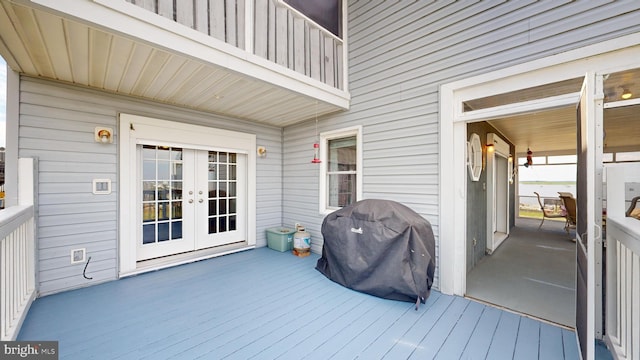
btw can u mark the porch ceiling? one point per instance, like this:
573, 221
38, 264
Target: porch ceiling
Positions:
554, 130
39, 42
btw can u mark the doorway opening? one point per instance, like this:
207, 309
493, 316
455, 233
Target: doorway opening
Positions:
517, 265
593, 64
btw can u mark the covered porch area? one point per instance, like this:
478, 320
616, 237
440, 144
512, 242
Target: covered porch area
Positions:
266, 304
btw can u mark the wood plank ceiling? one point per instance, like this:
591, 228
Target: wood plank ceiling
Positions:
554, 131
39, 43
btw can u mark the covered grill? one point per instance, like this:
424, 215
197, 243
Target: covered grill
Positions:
379, 247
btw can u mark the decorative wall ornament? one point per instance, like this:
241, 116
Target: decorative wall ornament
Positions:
529, 161
474, 156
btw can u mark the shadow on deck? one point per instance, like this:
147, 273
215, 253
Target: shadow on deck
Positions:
264, 304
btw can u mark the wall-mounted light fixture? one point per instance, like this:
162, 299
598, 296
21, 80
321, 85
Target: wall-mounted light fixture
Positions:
103, 135
626, 94
262, 151
511, 169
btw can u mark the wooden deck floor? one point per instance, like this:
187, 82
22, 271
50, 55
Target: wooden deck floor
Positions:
264, 304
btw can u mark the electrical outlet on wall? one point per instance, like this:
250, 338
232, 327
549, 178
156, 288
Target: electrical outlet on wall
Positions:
78, 255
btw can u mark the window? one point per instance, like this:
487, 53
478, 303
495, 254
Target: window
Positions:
341, 168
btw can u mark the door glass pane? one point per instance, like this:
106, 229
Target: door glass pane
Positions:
148, 212
163, 152
176, 230
161, 197
176, 190
222, 206
213, 207
213, 170
148, 233
163, 190
163, 210
163, 170
232, 223
222, 190
222, 172
212, 226
176, 171
148, 190
163, 231
149, 170
176, 209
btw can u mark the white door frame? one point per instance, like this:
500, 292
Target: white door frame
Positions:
135, 129
501, 149
621, 53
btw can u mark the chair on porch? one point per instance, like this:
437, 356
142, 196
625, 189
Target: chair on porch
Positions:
570, 208
547, 214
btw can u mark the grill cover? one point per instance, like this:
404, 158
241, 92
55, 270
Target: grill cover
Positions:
379, 247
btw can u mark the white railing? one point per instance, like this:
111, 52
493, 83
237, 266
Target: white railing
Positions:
17, 268
622, 330
18, 252
270, 29
623, 287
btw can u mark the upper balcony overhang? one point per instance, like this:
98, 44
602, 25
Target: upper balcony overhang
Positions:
119, 47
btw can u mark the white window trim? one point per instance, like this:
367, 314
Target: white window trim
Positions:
324, 157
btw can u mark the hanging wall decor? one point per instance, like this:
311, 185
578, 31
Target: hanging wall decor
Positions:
529, 158
316, 145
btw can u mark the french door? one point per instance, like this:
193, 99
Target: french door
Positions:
188, 199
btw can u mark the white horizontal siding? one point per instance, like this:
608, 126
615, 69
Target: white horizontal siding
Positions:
399, 55
57, 122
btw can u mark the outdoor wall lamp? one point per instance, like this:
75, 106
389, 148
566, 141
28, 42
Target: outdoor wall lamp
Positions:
103, 135
626, 94
262, 151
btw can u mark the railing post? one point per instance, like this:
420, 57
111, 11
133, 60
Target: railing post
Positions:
249, 27
26, 181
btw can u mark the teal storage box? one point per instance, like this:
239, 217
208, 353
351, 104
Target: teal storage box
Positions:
280, 239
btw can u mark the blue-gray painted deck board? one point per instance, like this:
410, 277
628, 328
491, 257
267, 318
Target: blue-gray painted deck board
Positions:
264, 304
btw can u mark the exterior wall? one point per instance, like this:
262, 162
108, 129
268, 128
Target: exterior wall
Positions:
399, 55
56, 126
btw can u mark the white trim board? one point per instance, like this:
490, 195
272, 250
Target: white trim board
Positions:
134, 130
